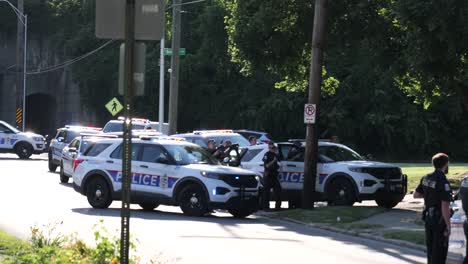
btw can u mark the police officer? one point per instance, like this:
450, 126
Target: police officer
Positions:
211, 146
270, 178
436, 191
253, 140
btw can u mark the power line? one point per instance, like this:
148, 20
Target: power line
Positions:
69, 62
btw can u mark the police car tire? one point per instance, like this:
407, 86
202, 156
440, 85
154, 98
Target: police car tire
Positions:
95, 185
23, 150
63, 177
333, 193
52, 166
240, 212
388, 202
148, 206
188, 204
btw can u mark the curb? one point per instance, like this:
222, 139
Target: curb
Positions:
451, 259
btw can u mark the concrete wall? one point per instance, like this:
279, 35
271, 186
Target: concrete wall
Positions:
63, 92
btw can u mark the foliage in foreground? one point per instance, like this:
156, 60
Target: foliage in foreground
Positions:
48, 246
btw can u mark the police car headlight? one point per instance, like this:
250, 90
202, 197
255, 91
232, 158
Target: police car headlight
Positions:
356, 169
210, 175
38, 139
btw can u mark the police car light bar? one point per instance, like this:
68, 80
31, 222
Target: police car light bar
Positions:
83, 127
98, 135
213, 131
148, 137
141, 120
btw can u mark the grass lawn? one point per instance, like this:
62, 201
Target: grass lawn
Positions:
330, 214
416, 171
417, 237
10, 245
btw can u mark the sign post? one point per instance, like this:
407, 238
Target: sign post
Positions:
130, 20
309, 113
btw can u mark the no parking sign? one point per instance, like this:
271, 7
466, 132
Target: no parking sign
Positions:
309, 113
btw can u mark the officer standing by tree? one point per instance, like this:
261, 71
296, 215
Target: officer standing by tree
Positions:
436, 191
270, 178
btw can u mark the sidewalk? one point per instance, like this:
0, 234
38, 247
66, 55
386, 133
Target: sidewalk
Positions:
401, 225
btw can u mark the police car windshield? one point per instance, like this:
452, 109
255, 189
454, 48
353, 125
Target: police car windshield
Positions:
118, 127
336, 154
184, 155
14, 130
235, 139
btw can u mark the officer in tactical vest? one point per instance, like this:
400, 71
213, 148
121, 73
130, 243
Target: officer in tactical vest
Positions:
463, 194
437, 194
270, 177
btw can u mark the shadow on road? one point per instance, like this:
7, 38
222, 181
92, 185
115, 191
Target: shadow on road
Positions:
227, 222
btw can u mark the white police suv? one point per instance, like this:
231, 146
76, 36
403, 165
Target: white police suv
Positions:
165, 171
74, 150
22, 144
201, 137
137, 124
343, 176
63, 137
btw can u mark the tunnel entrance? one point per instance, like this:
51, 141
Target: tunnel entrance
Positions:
40, 113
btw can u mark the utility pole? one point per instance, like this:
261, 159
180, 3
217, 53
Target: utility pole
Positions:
19, 69
127, 131
161, 86
315, 80
174, 82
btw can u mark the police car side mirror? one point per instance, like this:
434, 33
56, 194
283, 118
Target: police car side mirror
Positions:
72, 150
60, 139
162, 160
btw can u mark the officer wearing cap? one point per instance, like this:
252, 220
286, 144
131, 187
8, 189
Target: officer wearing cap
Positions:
270, 162
437, 194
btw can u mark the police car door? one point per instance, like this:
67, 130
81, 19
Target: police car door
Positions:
5, 133
58, 145
113, 166
151, 171
68, 157
292, 167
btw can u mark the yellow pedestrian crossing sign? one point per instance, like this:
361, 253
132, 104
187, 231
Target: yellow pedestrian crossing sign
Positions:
114, 106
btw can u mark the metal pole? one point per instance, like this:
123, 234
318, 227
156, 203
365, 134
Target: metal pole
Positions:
161, 87
127, 133
19, 62
174, 84
24, 69
315, 79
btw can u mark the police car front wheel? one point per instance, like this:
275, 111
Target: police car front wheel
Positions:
23, 150
148, 206
98, 193
193, 201
341, 192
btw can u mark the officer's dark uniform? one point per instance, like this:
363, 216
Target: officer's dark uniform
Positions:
271, 180
435, 189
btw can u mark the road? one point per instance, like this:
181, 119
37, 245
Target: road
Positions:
30, 195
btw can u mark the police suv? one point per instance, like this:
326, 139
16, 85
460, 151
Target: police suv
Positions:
343, 176
22, 144
137, 124
63, 137
165, 171
201, 137
72, 152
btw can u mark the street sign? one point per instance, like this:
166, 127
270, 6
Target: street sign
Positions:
114, 106
168, 52
149, 19
309, 113
139, 68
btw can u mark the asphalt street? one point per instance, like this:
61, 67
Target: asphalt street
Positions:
32, 196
